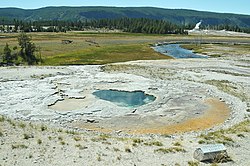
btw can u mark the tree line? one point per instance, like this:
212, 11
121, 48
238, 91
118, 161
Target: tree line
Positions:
139, 25
133, 25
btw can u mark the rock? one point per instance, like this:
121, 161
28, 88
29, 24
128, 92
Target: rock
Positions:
97, 110
153, 88
118, 131
90, 120
134, 111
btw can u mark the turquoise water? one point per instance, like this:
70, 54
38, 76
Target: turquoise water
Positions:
125, 98
175, 51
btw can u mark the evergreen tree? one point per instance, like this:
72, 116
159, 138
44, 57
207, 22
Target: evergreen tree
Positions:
28, 49
7, 54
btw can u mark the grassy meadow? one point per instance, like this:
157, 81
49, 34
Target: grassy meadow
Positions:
103, 48
218, 50
89, 48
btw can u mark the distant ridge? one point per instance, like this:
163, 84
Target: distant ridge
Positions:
178, 16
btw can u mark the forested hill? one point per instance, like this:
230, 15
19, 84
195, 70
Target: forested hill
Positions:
177, 16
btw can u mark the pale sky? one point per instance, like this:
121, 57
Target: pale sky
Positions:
222, 6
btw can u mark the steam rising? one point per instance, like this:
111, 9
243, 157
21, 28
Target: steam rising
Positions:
197, 26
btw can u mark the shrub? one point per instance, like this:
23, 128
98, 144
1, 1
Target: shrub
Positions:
62, 143
137, 140
177, 144
39, 141
43, 128
77, 138
2, 119
128, 150
170, 150
241, 135
201, 142
116, 149
222, 158
155, 143
99, 158
192, 163
60, 138
80, 146
22, 125
21, 146
27, 136
60, 130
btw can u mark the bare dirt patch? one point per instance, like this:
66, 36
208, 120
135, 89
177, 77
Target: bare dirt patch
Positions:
216, 114
68, 105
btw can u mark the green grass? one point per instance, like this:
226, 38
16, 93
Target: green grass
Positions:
11, 122
177, 144
128, 150
116, 149
105, 54
193, 163
118, 34
216, 137
43, 128
19, 146
81, 147
72, 132
2, 118
39, 141
153, 143
101, 137
77, 138
218, 50
225, 136
228, 87
60, 138
99, 158
201, 142
139, 70
22, 125
114, 47
196, 48
62, 143
170, 150
137, 140
230, 73
27, 136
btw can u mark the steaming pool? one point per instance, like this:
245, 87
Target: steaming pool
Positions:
125, 98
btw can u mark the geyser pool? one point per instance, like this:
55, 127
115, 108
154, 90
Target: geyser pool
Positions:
125, 98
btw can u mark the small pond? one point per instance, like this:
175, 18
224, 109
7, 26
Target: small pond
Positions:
175, 51
125, 98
